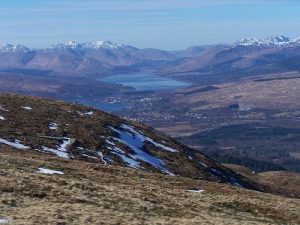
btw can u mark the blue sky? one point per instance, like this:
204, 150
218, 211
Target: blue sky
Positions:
165, 24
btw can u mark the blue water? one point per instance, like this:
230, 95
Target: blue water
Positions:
145, 82
107, 107
110, 107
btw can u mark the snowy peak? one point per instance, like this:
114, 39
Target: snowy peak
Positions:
297, 39
268, 42
88, 45
13, 48
102, 44
278, 39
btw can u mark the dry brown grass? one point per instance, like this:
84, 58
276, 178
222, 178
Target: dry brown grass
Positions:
279, 182
269, 94
90, 193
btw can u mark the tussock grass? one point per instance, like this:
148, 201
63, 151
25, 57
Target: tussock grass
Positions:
90, 193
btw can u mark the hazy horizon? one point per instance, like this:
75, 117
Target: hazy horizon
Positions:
163, 24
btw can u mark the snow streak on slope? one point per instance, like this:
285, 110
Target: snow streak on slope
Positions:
26, 107
61, 150
49, 171
53, 126
15, 144
141, 138
2, 109
195, 190
135, 141
3, 220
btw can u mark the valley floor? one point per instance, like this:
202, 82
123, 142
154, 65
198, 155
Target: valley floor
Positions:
89, 193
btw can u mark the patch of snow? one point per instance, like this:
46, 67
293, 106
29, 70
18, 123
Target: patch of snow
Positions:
203, 164
100, 154
107, 159
234, 182
139, 135
53, 126
93, 155
3, 220
135, 141
126, 159
110, 143
56, 152
85, 113
2, 109
2, 118
195, 190
26, 107
15, 144
89, 156
89, 113
64, 145
215, 172
116, 149
238, 185
129, 161
49, 171
61, 150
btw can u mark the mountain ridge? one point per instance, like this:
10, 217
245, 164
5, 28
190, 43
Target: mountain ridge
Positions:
275, 54
268, 41
72, 131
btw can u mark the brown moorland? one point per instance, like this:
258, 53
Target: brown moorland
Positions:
90, 193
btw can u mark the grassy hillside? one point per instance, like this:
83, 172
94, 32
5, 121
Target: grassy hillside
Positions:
279, 182
90, 193
81, 133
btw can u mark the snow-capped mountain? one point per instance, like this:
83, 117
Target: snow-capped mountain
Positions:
86, 45
247, 56
279, 41
13, 48
297, 40
103, 57
74, 57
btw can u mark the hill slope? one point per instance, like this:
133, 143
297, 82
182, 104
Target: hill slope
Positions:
73, 131
279, 182
90, 193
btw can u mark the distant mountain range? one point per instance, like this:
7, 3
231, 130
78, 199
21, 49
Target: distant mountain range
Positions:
104, 57
73, 57
242, 58
268, 42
